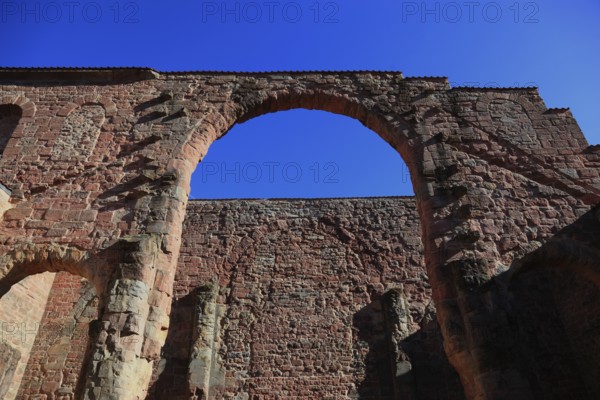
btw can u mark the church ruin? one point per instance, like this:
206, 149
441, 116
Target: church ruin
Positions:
114, 285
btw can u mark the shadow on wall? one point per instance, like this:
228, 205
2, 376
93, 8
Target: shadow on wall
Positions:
552, 334
10, 114
411, 367
554, 303
378, 378
427, 376
169, 380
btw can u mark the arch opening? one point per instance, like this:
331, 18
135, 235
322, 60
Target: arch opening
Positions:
300, 154
30, 259
45, 320
63, 280
258, 282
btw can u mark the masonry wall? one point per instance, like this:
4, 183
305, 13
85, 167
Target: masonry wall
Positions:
316, 298
98, 163
57, 357
305, 293
300, 304
578, 306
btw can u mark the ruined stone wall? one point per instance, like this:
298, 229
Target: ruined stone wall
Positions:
304, 292
98, 164
300, 292
312, 299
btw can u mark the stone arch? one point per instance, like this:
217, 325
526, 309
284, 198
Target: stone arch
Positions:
32, 259
23, 102
21, 310
34, 263
449, 202
424, 153
110, 108
346, 159
400, 134
28, 276
366, 111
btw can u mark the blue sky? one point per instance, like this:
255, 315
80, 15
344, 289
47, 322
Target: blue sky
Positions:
551, 44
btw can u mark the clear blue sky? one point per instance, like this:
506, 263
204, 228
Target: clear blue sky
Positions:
551, 44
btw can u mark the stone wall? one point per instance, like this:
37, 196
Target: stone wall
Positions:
56, 364
98, 164
302, 298
320, 298
578, 305
311, 299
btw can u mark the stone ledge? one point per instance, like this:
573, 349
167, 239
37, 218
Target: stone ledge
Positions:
87, 76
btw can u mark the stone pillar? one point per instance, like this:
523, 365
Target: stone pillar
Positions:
121, 365
396, 316
463, 265
118, 370
203, 341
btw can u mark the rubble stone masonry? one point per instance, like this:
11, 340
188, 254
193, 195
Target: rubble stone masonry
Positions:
484, 286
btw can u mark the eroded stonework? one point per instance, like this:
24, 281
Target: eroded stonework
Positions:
79, 133
312, 299
98, 163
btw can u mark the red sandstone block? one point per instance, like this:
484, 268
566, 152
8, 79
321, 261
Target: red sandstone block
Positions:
66, 110
18, 214
54, 215
71, 215
105, 217
11, 151
80, 233
57, 232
